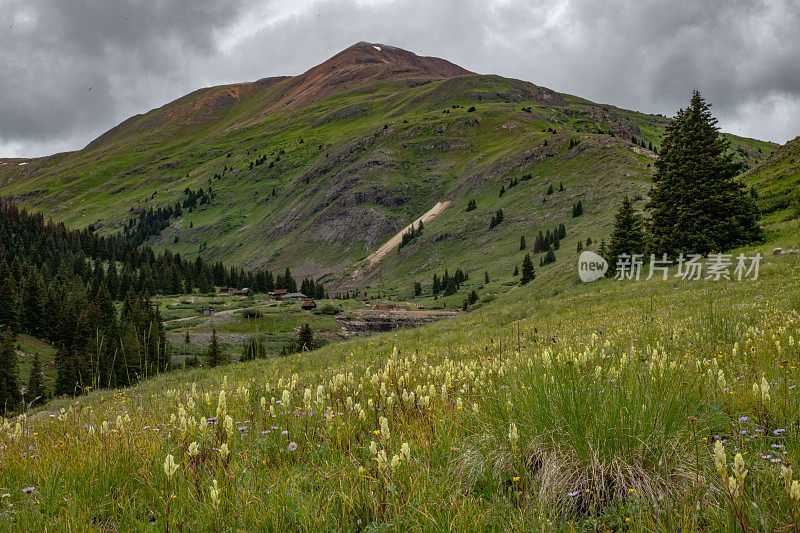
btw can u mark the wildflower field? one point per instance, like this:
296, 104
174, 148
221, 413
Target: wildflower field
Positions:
638, 406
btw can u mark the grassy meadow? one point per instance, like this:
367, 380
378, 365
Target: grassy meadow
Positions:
614, 405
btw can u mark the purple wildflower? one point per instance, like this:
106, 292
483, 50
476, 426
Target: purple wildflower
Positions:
28, 490
292, 446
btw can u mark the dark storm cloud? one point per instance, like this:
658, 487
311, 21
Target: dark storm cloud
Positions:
640, 54
70, 68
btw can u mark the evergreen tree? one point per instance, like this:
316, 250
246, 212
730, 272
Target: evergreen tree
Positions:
577, 209
486, 277
516, 270
528, 273
697, 205
9, 316
417, 288
627, 236
522, 244
538, 244
549, 257
112, 280
602, 251
10, 396
305, 339
497, 218
253, 350
32, 316
214, 355
35, 389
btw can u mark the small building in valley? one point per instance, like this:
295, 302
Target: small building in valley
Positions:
278, 293
294, 296
308, 305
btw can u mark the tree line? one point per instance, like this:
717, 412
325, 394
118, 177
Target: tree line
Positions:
52, 290
61, 285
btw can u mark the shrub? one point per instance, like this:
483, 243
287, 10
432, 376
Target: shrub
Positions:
328, 309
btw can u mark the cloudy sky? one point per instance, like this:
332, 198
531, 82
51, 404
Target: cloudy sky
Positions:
71, 69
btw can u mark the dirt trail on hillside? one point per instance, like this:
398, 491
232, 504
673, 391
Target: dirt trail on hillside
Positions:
394, 242
355, 279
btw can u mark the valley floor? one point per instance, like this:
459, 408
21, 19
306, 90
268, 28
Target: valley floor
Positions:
598, 408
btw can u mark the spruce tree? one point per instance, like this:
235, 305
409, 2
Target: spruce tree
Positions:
697, 205
305, 340
486, 277
35, 382
32, 316
10, 396
538, 244
214, 356
112, 281
528, 273
9, 316
522, 244
627, 236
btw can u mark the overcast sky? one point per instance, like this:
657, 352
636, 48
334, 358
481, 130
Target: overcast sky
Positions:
70, 69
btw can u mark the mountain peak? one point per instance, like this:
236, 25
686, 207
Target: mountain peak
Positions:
364, 53
362, 63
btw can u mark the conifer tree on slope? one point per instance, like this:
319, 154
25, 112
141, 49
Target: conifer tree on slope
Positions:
528, 273
35, 390
697, 205
214, 356
305, 340
627, 236
10, 395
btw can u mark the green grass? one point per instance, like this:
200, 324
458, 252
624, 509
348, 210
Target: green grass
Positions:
614, 389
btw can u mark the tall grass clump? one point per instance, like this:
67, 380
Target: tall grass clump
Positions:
597, 425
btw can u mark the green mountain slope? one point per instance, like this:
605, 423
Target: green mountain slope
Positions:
317, 170
777, 180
